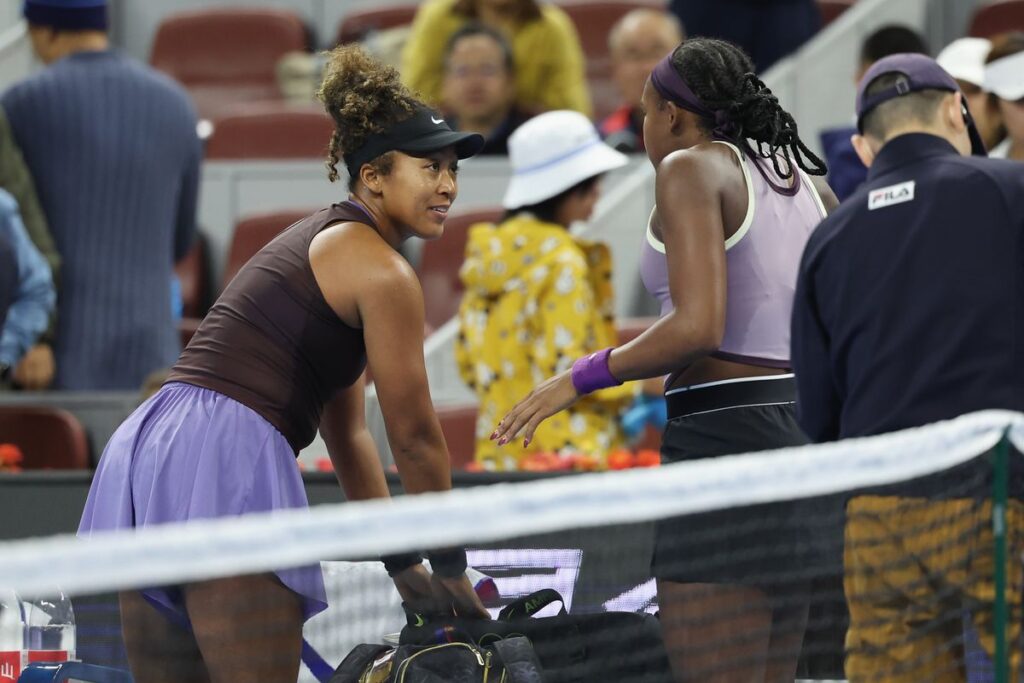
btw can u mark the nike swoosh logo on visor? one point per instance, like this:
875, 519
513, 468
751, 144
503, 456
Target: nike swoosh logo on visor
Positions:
437, 121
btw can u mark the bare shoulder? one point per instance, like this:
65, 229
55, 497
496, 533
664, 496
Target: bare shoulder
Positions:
359, 248
352, 263
690, 177
701, 168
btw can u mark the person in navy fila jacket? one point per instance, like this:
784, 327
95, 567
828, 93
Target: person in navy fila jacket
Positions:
909, 309
910, 297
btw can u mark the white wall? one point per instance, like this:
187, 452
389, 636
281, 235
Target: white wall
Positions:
16, 58
231, 189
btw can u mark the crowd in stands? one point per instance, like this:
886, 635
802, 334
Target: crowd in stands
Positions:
100, 160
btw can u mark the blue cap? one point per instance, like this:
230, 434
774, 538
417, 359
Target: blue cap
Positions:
917, 72
67, 15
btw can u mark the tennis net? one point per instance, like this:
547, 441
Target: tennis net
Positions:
888, 558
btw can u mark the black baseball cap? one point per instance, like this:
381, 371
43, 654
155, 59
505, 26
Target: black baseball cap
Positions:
423, 132
918, 72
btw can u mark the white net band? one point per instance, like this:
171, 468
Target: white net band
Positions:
205, 549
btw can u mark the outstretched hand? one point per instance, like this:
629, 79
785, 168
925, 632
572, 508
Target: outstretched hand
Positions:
548, 398
432, 594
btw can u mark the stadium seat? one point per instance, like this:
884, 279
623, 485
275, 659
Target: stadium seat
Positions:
831, 9
357, 24
253, 233
594, 20
226, 56
440, 263
996, 17
270, 131
49, 438
193, 273
459, 426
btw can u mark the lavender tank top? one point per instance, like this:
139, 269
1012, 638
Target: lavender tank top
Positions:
762, 259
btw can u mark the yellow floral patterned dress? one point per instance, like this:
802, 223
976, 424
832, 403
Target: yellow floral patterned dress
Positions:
536, 300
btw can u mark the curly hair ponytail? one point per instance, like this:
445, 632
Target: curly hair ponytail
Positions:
363, 96
722, 77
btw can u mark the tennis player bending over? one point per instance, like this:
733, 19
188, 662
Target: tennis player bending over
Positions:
280, 354
735, 206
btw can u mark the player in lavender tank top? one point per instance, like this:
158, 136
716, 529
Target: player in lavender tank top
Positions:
735, 205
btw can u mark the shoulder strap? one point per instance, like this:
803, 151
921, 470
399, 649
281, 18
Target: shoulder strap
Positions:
531, 604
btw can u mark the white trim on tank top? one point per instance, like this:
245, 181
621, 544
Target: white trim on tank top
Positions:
748, 220
814, 192
655, 243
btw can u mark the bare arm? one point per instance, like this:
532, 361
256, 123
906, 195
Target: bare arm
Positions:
371, 286
689, 203
689, 207
392, 315
352, 450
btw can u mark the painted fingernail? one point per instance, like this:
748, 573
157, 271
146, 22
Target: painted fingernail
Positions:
526, 442
501, 441
494, 435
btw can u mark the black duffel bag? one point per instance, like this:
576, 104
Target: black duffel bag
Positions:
510, 660
572, 648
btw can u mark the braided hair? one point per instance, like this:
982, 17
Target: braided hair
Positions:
722, 76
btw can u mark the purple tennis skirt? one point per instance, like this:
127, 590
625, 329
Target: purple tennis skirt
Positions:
193, 453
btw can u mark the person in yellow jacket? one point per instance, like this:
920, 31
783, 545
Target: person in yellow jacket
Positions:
536, 297
549, 64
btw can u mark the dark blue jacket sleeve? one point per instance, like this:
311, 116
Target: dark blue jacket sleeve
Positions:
818, 402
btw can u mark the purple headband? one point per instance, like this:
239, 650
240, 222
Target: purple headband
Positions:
670, 85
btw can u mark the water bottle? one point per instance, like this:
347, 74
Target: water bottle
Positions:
49, 629
12, 637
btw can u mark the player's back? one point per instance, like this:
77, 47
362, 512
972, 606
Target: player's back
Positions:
919, 281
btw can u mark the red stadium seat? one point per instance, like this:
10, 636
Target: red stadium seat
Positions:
458, 423
440, 263
831, 9
997, 17
356, 25
193, 273
253, 233
594, 20
270, 131
225, 56
49, 438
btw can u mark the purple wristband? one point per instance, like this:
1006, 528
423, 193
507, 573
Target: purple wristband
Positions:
591, 373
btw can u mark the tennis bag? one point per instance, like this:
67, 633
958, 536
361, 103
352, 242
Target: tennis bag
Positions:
572, 648
511, 660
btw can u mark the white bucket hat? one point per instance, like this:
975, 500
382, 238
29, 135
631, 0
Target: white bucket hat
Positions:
964, 59
552, 152
1005, 77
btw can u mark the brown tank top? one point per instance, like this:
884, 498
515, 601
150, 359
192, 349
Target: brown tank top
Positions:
271, 342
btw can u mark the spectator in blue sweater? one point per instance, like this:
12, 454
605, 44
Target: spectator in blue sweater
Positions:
113, 150
27, 296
